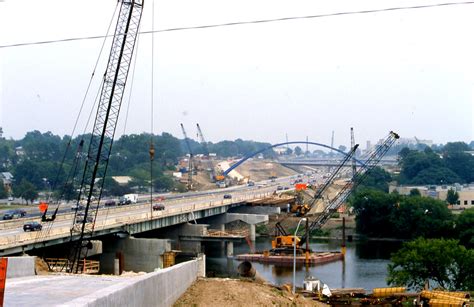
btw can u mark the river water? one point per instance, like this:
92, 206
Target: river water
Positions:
365, 264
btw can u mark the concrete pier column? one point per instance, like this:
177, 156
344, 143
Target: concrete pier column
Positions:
252, 232
222, 228
201, 265
116, 266
230, 249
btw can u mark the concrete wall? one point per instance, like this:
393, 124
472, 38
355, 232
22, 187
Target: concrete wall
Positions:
140, 255
21, 266
161, 288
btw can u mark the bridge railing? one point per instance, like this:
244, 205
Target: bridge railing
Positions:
107, 223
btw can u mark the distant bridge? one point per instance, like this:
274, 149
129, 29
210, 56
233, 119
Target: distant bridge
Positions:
248, 156
328, 162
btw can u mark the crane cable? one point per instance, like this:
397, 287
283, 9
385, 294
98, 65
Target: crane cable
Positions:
152, 147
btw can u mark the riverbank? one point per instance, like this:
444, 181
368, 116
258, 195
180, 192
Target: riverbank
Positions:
236, 292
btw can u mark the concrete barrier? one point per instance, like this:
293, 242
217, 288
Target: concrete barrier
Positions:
21, 266
161, 288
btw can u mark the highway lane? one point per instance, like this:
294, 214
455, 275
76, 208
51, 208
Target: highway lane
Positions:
113, 215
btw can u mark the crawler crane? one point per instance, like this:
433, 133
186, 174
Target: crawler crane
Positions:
100, 145
284, 242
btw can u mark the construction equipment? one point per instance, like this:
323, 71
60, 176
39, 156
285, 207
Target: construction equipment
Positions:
283, 244
300, 208
209, 165
354, 168
283, 241
190, 161
102, 136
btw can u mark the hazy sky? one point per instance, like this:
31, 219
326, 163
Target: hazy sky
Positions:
407, 71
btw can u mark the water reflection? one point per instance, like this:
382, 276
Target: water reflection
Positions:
365, 264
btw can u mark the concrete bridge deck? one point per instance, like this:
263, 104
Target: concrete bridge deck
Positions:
127, 219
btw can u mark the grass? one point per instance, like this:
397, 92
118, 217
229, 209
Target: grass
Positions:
6, 207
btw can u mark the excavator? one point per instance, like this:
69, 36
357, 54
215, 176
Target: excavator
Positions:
284, 243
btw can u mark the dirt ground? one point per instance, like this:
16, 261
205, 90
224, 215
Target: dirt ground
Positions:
259, 170
232, 292
256, 170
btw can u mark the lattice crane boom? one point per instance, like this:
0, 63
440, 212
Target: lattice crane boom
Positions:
191, 157
373, 159
100, 145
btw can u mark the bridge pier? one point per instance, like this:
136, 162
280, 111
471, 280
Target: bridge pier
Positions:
222, 228
133, 254
229, 250
252, 234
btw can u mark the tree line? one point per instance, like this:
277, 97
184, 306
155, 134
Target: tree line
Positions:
439, 245
43, 161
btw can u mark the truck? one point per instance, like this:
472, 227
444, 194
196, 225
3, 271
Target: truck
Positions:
128, 199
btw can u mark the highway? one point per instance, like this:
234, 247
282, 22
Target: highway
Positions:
12, 234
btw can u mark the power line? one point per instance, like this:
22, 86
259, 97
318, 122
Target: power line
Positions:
391, 9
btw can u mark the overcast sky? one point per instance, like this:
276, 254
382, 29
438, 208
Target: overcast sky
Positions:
407, 71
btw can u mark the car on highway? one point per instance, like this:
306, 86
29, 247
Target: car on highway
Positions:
110, 203
158, 207
32, 226
279, 188
80, 218
124, 201
14, 214
227, 196
10, 198
77, 207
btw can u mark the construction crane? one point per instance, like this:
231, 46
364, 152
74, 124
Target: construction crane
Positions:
210, 166
190, 161
354, 168
301, 209
283, 244
100, 145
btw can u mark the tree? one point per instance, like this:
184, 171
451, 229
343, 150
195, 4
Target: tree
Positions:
377, 179
163, 183
465, 228
67, 192
392, 215
445, 262
455, 147
112, 188
452, 197
3, 191
26, 190
415, 192
298, 151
